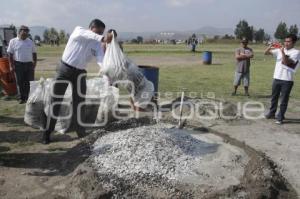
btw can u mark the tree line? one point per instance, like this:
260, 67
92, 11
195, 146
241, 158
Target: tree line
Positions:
52, 36
244, 30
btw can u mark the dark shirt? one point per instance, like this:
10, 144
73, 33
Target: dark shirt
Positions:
243, 66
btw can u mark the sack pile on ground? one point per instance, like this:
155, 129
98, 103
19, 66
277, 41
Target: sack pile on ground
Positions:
100, 100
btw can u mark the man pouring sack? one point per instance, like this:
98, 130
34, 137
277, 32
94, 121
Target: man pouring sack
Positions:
117, 67
82, 45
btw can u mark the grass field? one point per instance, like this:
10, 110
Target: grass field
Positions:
181, 69
191, 73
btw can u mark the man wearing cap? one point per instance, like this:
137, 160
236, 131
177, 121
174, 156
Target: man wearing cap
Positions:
242, 73
22, 60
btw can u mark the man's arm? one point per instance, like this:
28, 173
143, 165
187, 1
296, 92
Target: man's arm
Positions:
86, 34
269, 49
239, 56
287, 61
251, 54
34, 57
10, 53
11, 61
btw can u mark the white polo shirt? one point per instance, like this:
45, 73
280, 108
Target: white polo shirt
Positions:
21, 49
82, 46
283, 72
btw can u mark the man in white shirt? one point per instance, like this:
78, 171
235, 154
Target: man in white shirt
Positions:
81, 47
22, 60
287, 62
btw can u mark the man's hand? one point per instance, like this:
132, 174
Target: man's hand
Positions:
12, 68
269, 48
108, 37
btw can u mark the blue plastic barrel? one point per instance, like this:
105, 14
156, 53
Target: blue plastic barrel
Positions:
152, 74
207, 57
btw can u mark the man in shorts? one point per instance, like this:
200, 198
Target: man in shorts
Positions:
242, 73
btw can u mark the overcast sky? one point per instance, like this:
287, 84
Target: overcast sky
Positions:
150, 15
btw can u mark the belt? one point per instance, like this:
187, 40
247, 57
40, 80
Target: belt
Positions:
19, 62
72, 67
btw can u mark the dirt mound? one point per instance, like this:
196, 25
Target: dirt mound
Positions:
259, 179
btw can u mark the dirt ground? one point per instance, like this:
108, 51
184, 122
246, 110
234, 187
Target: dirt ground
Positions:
29, 169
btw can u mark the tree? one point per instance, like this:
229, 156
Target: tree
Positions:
134, 41
53, 31
281, 31
30, 37
37, 38
139, 39
293, 29
62, 37
226, 36
53, 37
259, 35
216, 37
46, 36
14, 28
67, 37
244, 30
267, 37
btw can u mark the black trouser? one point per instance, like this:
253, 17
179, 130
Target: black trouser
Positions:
283, 89
24, 73
77, 78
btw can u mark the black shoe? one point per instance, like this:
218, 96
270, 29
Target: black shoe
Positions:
270, 116
279, 122
247, 94
279, 118
22, 101
46, 137
81, 134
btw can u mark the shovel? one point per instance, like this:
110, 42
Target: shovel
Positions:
180, 123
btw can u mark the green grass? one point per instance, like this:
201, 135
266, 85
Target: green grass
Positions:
199, 78
215, 78
50, 51
195, 77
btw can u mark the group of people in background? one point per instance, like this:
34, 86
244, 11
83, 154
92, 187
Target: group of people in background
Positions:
287, 62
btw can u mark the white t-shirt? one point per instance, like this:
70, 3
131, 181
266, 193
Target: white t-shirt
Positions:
283, 72
21, 49
82, 46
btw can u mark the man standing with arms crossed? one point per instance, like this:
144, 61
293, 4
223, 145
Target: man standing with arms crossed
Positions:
287, 62
242, 56
82, 46
22, 60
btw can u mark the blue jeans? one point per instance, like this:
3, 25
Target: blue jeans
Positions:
282, 89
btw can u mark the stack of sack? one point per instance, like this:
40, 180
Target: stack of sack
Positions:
101, 99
